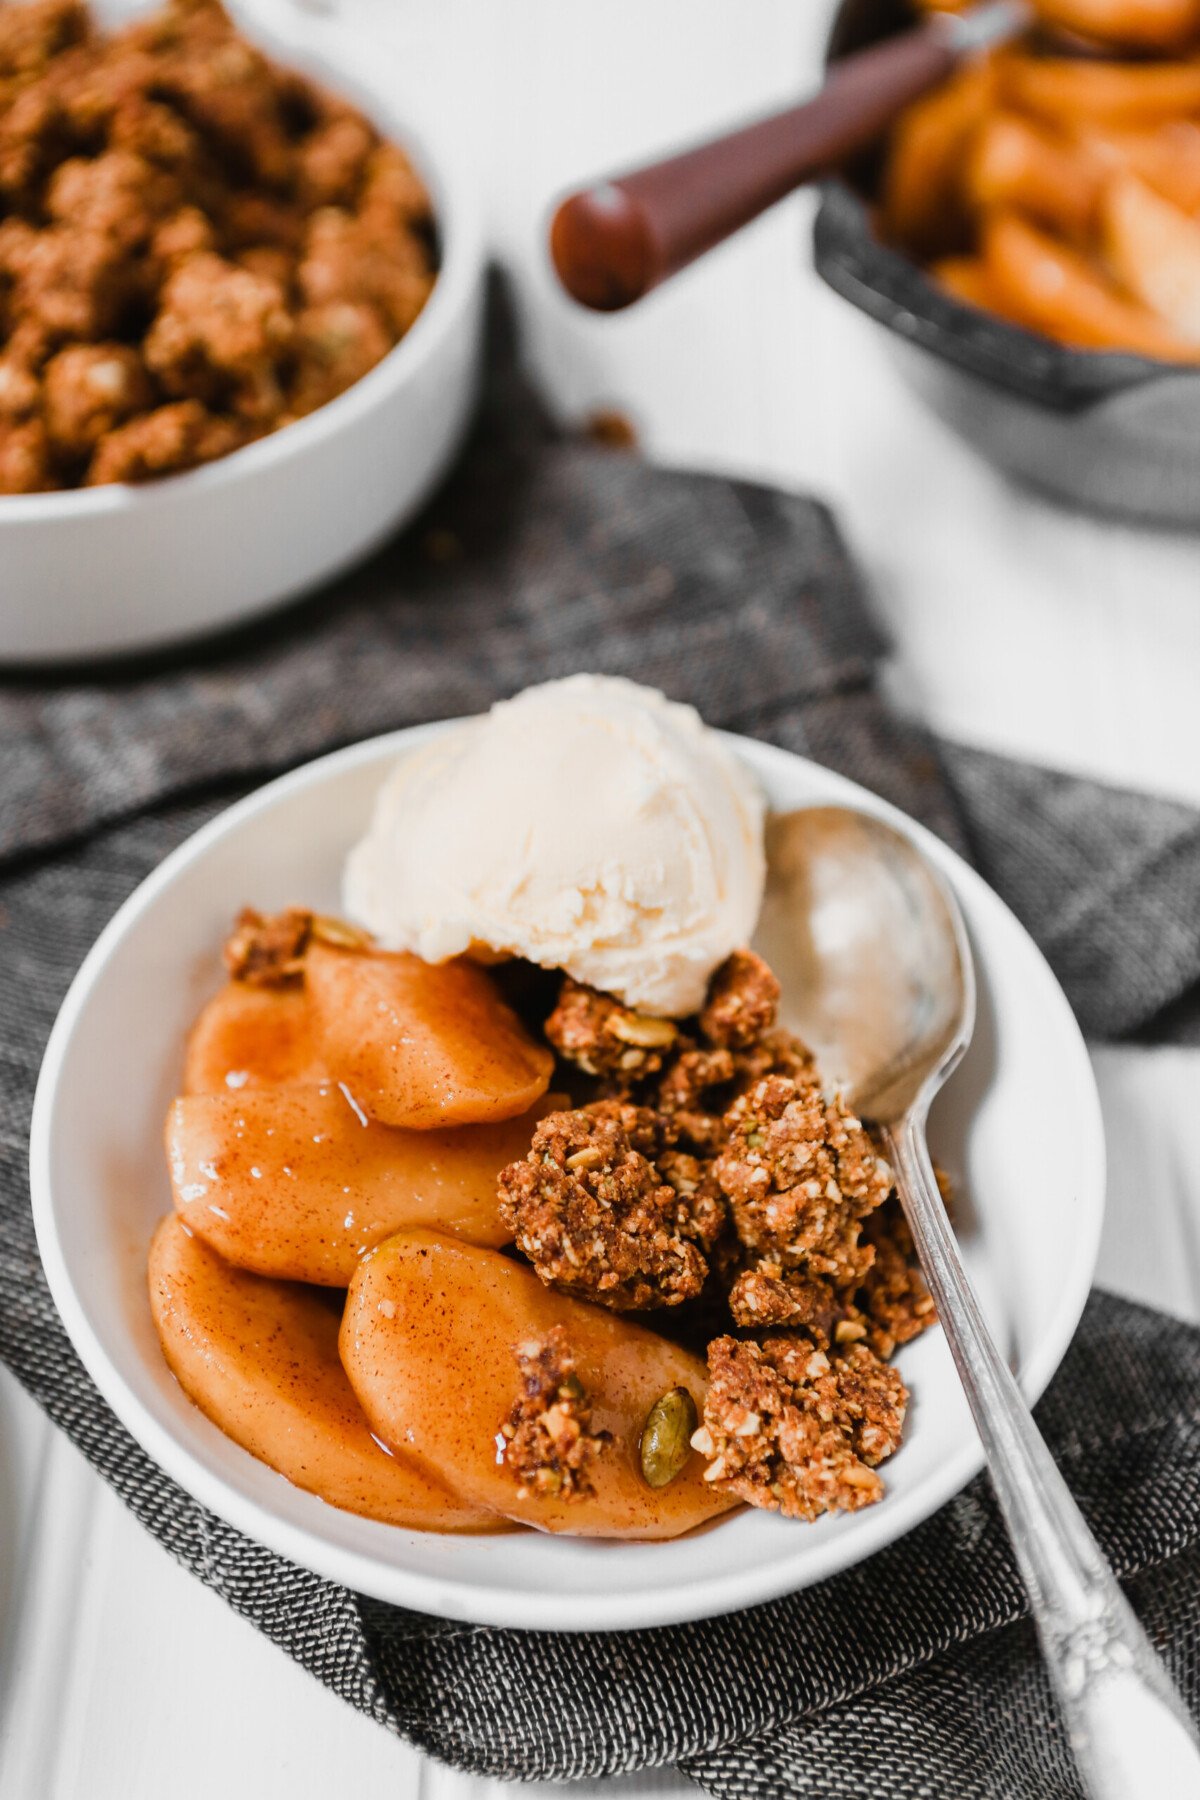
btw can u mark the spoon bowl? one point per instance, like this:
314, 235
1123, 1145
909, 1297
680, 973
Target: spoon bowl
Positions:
872, 953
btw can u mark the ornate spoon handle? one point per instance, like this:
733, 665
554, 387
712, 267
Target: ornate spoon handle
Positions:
1129, 1730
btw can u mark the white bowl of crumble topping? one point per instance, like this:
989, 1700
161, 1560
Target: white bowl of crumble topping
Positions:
204, 521
1018, 1130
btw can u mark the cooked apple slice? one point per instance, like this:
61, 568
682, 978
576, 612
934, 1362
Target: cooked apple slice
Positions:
1080, 91
299, 1183
260, 1359
1137, 24
1050, 288
251, 1037
429, 1340
420, 1044
1154, 249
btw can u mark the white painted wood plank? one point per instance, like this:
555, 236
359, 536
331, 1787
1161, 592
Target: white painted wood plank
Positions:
1150, 1250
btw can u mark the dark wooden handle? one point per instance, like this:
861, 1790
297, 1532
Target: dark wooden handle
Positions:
614, 242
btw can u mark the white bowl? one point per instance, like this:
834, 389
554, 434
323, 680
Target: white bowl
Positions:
1019, 1126
112, 570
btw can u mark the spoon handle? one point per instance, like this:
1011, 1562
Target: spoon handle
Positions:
1128, 1727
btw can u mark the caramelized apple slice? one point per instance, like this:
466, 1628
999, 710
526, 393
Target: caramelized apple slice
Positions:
260, 1359
422, 1044
429, 1341
251, 1037
298, 1183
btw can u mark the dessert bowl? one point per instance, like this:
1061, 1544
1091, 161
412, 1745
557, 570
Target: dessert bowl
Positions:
1019, 1129
117, 569
1104, 429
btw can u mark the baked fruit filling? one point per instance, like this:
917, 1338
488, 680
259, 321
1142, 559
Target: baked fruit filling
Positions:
464, 1248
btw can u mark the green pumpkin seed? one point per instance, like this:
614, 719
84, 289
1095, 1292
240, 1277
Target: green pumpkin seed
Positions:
665, 1443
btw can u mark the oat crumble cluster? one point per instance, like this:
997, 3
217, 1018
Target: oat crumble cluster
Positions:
196, 246
713, 1168
598, 1219
800, 1174
788, 1427
547, 1442
267, 949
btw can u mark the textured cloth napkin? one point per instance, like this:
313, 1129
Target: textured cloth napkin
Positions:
917, 1672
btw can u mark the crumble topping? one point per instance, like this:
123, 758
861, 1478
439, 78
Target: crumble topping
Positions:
895, 1300
775, 1053
800, 1173
742, 997
547, 1441
702, 1213
595, 1216
267, 950
766, 1295
689, 1071
602, 1037
692, 1091
791, 1429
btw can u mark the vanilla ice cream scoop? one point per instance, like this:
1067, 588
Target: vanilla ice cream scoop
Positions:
589, 825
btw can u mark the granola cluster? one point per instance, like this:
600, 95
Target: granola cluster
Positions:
800, 1174
895, 1300
687, 1071
196, 246
267, 949
597, 1218
788, 1427
715, 1169
547, 1442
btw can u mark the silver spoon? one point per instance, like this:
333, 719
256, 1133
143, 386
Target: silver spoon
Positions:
873, 955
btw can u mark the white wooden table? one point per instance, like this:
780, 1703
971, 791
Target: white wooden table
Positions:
1016, 627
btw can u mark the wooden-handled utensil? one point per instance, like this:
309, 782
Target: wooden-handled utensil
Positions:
614, 242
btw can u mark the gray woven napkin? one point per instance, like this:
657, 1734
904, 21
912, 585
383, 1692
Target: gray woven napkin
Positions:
911, 1675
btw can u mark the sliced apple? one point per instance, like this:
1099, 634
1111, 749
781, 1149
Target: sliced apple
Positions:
429, 1341
1049, 288
252, 1037
1080, 91
419, 1044
1055, 179
1153, 248
260, 1359
299, 1183
1132, 24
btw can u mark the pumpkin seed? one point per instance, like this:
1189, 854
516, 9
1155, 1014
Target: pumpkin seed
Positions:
665, 1442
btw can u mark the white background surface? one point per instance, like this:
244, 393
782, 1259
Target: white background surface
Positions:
1016, 627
